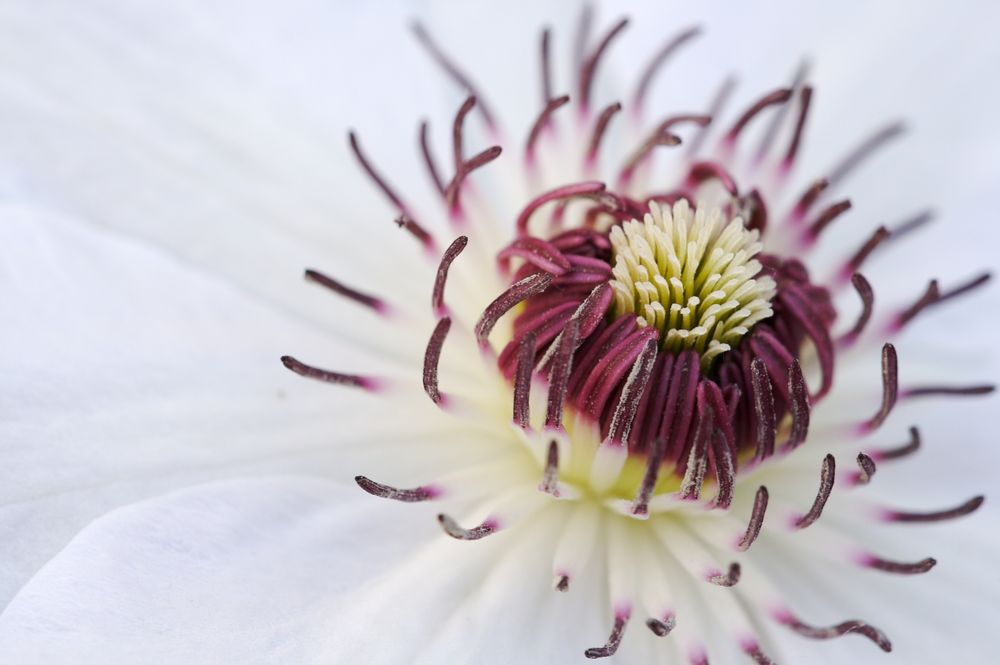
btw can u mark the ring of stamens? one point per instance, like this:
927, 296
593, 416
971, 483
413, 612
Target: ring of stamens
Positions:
691, 275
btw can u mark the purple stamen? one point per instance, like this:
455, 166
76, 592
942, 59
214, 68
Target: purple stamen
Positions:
550, 479
841, 629
562, 365
422, 493
658, 61
865, 150
429, 162
867, 296
805, 97
543, 120
866, 466
632, 390
954, 391
517, 293
611, 646
327, 376
890, 388
853, 264
829, 214
779, 96
826, 480
539, 253
522, 381
600, 128
371, 302
453, 529
546, 65
757, 655
899, 568
657, 450
798, 395
967, 508
809, 198
589, 68
661, 628
728, 579
450, 254
901, 451
431, 358
756, 520
763, 401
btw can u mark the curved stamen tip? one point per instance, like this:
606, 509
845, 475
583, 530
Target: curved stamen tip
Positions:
839, 630
662, 628
422, 493
728, 579
561, 583
967, 508
327, 376
827, 477
453, 529
866, 469
753, 650
611, 646
898, 567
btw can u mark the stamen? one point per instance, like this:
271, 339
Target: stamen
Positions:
805, 97
779, 96
714, 110
661, 136
450, 254
661, 628
831, 213
340, 289
611, 646
778, 117
590, 65
901, 451
808, 198
763, 400
959, 391
972, 284
453, 193
853, 264
539, 253
841, 629
561, 584
899, 568
758, 656
405, 220
826, 480
867, 469
657, 63
544, 118
522, 380
431, 358
562, 365
728, 579
546, 66
867, 296
425, 150
453, 71
967, 508
327, 376
799, 405
640, 506
517, 293
453, 529
705, 171
694, 475
422, 493
592, 190
756, 520
890, 388
550, 480
913, 223
865, 150
600, 128
929, 297
632, 390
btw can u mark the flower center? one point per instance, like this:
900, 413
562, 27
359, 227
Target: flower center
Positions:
692, 276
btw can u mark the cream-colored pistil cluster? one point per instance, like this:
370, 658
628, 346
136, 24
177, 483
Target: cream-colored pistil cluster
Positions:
692, 275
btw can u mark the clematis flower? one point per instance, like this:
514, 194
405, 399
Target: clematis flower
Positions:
648, 369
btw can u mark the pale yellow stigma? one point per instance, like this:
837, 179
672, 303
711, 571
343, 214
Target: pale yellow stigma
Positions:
692, 275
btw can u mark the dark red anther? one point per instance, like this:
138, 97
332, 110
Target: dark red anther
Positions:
450, 254
967, 508
853, 264
829, 214
662, 628
779, 96
423, 493
758, 656
809, 198
640, 506
589, 67
798, 396
697, 461
765, 420
431, 358
454, 191
611, 646
607, 373
841, 629
661, 136
338, 378
522, 380
702, 172
539, 253
900, 451
827, 477
591, 190
562, 366
456, 531
517, 293
600, 129
632, 391
775, 357
803, 311
890, 388
681, 405
405, 220
953, 391
429, 162
452, 69
543, 120
753, 210
727, 579
550, 480
899, 567
805, 97
658, 61
867, 296
756, 520
866, 469
371, 302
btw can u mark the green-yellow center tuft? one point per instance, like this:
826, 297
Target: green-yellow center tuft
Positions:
692, 275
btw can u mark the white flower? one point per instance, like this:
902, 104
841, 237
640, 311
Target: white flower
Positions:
214, 133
